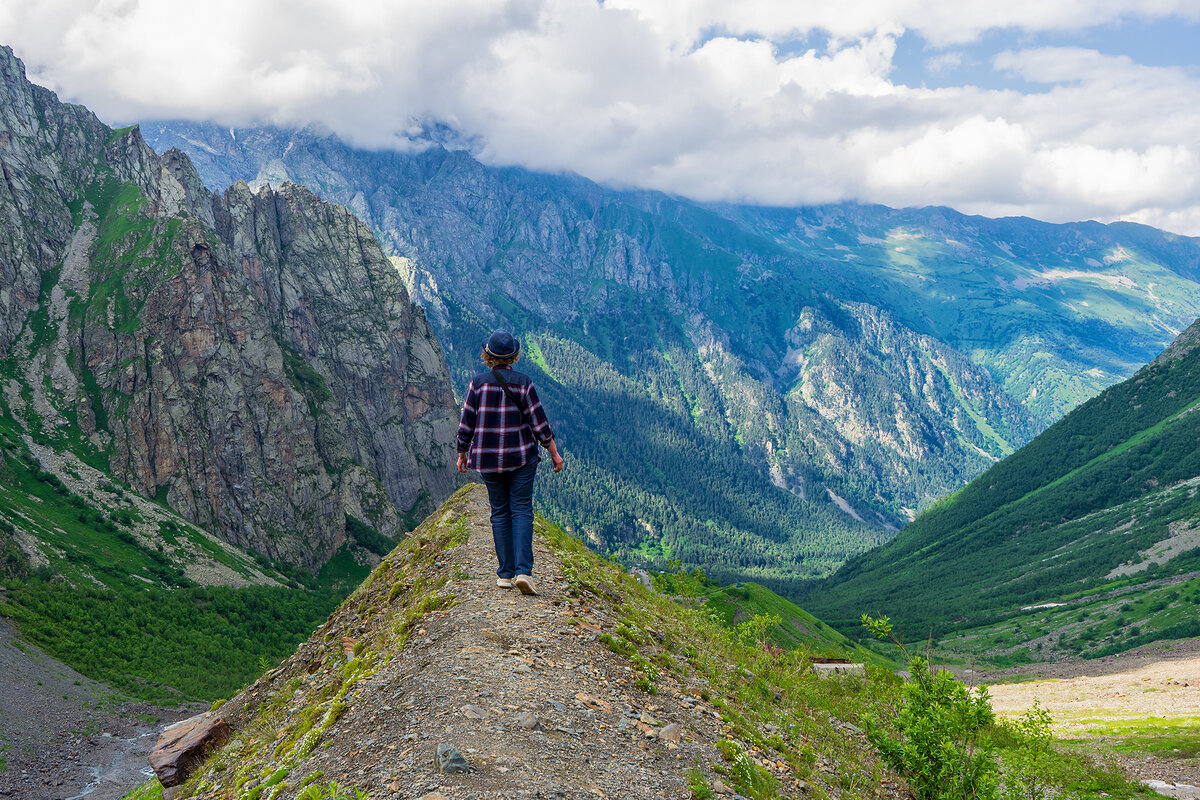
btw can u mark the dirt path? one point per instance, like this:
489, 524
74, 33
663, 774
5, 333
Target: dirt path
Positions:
516, 661
1145, 689
521, 685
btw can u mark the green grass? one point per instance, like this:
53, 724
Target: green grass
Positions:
150, 790
1172, 739
160, 645
533, 352
117, 606
796, 628
305, 378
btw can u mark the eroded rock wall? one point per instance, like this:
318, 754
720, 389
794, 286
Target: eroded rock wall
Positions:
251, 358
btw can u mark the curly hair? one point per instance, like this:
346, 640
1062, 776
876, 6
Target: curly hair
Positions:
494, 362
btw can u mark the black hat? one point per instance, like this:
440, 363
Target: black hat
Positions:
502, 345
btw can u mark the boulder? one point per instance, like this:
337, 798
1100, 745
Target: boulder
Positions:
184, 745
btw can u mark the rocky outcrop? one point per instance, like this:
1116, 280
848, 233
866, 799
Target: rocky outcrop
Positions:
181, 747
251, 358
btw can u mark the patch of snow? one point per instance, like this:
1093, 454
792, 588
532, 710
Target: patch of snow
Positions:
1118, 254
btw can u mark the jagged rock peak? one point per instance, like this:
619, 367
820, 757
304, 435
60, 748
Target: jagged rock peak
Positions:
1184, 343
250, 358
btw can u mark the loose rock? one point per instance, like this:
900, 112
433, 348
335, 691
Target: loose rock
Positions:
449, 759
182, 746
471, 711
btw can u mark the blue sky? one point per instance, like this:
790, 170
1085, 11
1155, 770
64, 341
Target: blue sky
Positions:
1172, 42
1055, 109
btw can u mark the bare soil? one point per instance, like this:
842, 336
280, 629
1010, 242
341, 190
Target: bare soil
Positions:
1153, 686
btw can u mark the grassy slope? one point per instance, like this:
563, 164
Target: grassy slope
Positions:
795, 628
1049, 523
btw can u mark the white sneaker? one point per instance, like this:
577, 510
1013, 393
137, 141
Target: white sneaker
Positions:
525, 584
504, 583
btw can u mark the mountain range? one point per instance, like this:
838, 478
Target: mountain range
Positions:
227, 389
765, 392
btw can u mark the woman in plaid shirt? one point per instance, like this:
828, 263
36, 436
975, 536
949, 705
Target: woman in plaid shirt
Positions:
499, 438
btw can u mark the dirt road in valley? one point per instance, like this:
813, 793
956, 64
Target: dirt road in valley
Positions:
1154, 686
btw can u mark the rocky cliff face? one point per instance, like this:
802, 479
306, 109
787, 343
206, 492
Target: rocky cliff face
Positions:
250, 358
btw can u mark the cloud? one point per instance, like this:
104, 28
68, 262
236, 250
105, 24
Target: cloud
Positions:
946, 62
940, 22
713, 100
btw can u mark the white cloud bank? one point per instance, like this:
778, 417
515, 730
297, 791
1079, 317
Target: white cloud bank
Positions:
705, 98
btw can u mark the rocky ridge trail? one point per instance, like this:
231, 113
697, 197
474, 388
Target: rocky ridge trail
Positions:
429, 653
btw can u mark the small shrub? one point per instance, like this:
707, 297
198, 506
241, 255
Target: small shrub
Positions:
1030, 764
698, 784
937, 736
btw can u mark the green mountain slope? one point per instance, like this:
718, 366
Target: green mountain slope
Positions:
1103, 502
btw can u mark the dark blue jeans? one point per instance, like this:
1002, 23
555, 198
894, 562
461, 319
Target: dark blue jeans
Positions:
510, 495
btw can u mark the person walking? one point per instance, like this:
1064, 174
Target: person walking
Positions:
501, 427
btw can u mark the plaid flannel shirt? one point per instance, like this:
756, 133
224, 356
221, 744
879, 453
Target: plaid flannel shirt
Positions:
493, 432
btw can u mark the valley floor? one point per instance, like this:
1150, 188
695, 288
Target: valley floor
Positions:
65, 736
1143, 706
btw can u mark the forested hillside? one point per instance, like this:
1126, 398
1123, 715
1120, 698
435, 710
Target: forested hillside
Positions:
1101, 506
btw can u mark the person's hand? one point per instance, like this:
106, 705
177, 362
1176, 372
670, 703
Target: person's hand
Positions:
462, 462
557, 461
